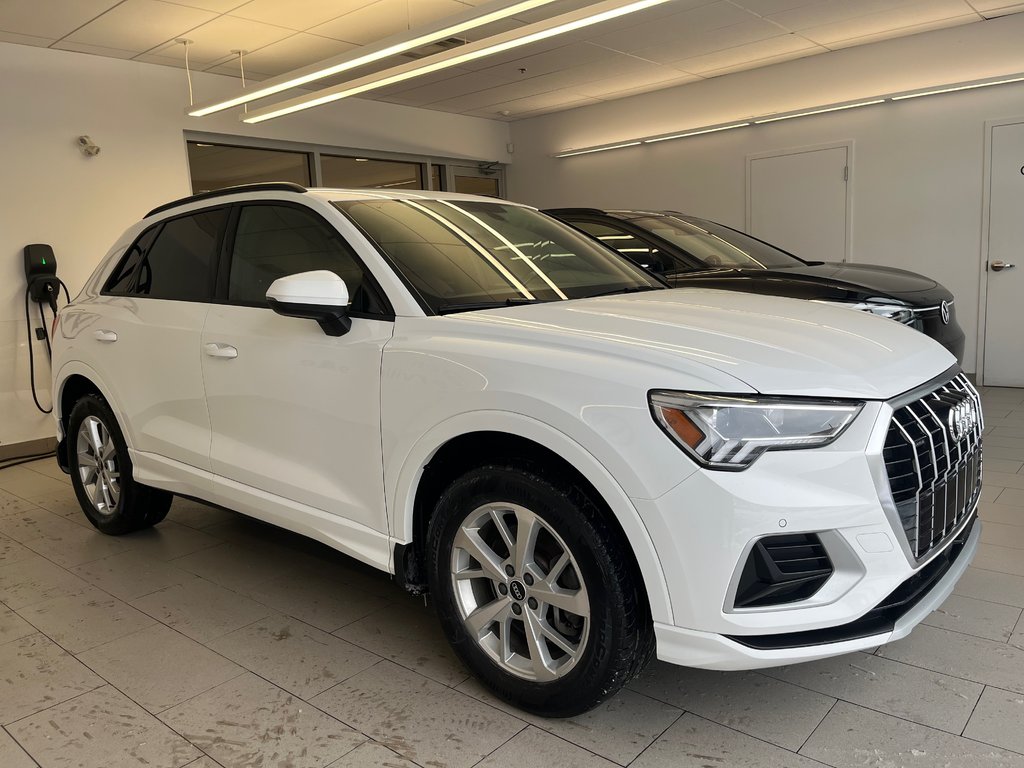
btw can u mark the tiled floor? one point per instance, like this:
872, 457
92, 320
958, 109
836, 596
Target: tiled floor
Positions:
214, 640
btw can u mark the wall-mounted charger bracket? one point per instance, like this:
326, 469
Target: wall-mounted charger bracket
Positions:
41, 274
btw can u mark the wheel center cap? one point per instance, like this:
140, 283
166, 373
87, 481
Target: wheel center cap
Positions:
517, 590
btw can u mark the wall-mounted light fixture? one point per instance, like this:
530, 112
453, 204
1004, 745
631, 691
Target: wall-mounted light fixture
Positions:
762, 119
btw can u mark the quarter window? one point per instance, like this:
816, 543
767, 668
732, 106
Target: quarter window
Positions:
274, 241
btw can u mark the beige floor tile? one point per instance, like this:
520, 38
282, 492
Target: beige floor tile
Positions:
408, 634
200, 609
757, 705
991, 557
997, 720
418, 718
1004, 535
35, 579
11, 504
1001, 513
992, 586
852, 736
65, 504
195, 514
373, 755
952, 653
694, 742
12, 755
101, 728
33, 523
1002, 452
989, 493
36, 674
12, 552
28, 484
169, 541
294, 656
326, 603
619, 729
236, 566
1002, 465
1011, 431
50, 468
13, 627
73, 544
84, 620
158, 668
204, 762
981, 618
259, 724
920, 695
1004, 479
1011, 496
532, 746
132, 574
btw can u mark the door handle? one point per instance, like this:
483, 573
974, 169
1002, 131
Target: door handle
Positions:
221, 350
999, 266
105, 336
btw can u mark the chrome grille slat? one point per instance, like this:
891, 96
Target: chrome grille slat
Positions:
944, 487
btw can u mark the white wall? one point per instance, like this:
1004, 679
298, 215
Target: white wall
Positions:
51, 193
917, 167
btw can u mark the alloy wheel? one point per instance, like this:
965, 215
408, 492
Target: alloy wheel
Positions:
97, 465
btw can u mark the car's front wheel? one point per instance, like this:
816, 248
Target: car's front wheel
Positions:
101, 472
535, 591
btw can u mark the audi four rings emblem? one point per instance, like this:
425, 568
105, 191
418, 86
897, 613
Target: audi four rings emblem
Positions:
963, 418
944, 312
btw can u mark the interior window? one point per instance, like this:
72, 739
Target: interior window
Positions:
274, 241
179, 263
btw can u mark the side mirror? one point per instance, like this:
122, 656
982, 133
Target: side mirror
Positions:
319, 295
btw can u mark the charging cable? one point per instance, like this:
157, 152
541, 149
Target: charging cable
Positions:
45, 336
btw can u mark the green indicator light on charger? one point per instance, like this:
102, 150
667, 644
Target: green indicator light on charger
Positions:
44, 262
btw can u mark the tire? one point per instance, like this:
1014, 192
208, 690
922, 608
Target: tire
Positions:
551, 660
101, 473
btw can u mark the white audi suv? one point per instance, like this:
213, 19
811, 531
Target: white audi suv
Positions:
584, 467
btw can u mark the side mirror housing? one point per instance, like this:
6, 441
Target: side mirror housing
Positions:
319, 295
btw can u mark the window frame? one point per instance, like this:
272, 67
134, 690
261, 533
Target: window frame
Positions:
159, 225
223, 276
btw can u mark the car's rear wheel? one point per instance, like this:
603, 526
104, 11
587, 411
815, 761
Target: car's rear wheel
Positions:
101, 472
535, 590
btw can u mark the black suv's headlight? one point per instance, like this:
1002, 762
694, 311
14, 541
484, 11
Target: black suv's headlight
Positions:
732, 431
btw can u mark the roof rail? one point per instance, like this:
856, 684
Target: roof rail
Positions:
568, 211
267, 186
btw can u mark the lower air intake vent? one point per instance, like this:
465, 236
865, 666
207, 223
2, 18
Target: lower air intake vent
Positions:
783, 569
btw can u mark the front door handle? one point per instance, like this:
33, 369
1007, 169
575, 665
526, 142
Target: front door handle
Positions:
104, 336
220, 350
999, 266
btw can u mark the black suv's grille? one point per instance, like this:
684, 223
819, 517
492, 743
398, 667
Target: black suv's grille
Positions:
933, 460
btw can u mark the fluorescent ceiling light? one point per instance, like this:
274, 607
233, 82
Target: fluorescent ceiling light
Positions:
597, 149
532, 33
383, 49
957, 88
696, 133
820, 111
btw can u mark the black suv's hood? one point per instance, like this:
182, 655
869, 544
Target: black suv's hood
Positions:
831, 280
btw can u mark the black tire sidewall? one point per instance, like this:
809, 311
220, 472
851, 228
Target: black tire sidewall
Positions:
566, 511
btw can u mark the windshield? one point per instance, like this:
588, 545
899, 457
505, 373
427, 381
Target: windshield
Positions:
467, 254
715, 245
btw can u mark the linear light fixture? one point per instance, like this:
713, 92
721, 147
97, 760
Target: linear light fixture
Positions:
599, 149
390, 46
819, 111
957, 88
695, 133
532, 33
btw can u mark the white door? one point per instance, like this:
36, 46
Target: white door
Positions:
295, 413
1004, 343
798, 201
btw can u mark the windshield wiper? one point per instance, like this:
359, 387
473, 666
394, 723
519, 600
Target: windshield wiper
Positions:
632, 289
469, 306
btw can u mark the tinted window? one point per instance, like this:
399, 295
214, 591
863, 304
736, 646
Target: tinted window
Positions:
715, 245
274, 241
458, 253
122, 280
178, 264
367, 172
633, 248
214, 166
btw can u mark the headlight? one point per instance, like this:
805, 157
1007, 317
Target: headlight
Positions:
730, 432
901, 313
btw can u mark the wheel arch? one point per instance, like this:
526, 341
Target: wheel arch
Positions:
463, 441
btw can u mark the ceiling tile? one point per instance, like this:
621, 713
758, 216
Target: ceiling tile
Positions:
13, 37
681, 79
648, 80
545, 101
215, 40
570, 102
747, 56
298, 14
828, 12
217, 6
667, 32
913, 29
139, 25
386, 17
52, 19
995, 6
769, 7
691, 44
96, 50
905, 16
293, 52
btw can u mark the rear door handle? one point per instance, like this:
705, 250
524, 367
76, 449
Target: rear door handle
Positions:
220, 350
105, 336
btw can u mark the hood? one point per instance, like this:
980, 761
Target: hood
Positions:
774, 345
867, 281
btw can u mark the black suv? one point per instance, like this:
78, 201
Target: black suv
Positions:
686, 250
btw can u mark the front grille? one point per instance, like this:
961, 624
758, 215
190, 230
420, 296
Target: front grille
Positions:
933, 460
783, 569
